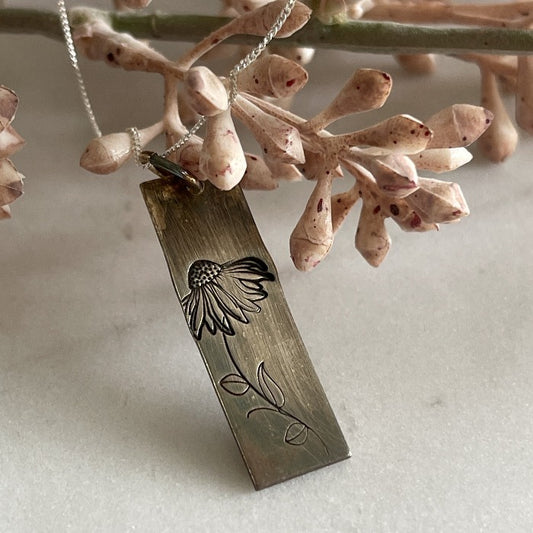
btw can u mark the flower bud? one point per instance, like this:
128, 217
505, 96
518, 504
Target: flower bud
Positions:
10, 141
98, 41
417, 63
11, 186
410, 220
274, 76
222, 158
332, 12
500, 140
395, 175
108, 153
8, 106
357, 8
260, 21
441, 159
207, 94
312, 237
372, 239
524, 93
458, 125
277, 138
5, 212
299, 54
367, 89
401, 134
438, 201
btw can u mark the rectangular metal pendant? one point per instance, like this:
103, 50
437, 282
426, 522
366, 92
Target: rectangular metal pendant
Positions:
234, 305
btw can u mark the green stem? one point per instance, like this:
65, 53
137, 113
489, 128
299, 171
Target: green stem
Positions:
356, 36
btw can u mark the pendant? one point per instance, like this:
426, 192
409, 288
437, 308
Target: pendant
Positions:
234, 305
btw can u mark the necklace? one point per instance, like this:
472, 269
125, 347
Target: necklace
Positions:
234, 306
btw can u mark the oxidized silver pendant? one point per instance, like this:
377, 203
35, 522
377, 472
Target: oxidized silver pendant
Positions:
236, 311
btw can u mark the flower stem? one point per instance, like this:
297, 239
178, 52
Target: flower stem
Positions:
272, 406
355, 36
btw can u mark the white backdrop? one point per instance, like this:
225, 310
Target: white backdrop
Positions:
108, 421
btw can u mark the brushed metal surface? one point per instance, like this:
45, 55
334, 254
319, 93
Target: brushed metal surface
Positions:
233, 302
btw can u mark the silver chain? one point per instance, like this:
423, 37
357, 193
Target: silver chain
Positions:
199, 123
136, 145
246, 61
73, 58
134, 132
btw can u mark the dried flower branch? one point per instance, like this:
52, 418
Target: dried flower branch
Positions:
356, 35
11, 181
386, 178
384, 159
96, 40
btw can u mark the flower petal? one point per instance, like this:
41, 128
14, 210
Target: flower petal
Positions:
215, 316
5, 212
395, 175
399, 134
11, 186
438, 201
232, 304
441, 159
8, 106
458, 125
10, 142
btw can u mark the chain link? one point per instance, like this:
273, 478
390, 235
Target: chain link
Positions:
136, 146
186, 137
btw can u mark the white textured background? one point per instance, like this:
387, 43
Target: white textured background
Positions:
108, 421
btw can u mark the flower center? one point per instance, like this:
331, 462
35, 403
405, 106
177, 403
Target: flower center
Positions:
202, 272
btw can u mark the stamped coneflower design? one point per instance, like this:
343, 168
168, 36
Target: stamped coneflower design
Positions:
222, 295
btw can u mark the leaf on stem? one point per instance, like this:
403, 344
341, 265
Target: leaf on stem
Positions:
270, 389
296, 434
235, 384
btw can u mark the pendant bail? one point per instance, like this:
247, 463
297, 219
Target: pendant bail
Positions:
164, 168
